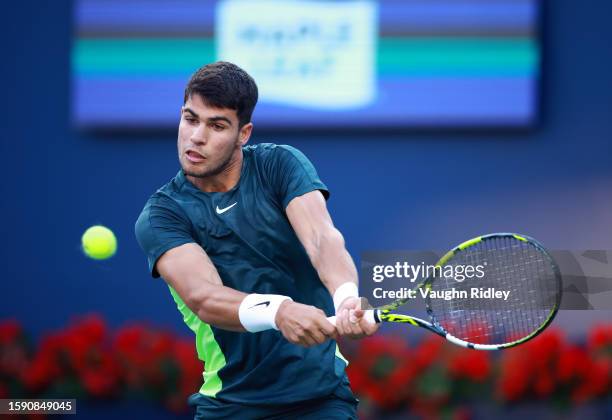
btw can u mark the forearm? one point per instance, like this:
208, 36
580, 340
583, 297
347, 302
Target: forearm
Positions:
217, 305
189, 271
232, 310
332, 261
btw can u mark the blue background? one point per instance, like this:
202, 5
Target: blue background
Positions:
390, 190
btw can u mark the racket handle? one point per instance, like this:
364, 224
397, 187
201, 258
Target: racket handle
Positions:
369, 316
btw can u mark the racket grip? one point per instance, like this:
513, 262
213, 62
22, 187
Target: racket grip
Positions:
369, 316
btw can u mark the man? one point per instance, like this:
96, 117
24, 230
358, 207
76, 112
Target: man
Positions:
243, 238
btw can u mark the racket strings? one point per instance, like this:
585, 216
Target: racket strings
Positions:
509, 265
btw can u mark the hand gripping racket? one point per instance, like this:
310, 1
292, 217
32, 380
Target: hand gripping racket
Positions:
514, 263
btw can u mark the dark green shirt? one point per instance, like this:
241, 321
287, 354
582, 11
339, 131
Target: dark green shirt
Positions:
248, 237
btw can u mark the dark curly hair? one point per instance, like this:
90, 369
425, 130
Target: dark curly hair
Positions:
224, 85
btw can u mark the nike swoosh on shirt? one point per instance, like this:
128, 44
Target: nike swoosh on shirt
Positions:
223, 210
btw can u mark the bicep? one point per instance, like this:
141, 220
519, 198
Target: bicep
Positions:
310, 219
185, 267
292, 175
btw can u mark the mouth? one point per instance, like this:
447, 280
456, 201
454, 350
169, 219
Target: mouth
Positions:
194, 156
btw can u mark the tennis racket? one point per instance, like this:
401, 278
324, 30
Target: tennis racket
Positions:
514, 263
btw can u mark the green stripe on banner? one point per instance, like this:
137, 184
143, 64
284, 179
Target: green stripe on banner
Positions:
136, 56
457, 56
440, 56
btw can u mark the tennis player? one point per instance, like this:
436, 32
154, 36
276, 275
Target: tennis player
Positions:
243, 238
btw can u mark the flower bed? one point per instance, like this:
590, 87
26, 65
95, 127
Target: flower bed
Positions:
87, 361
436, 377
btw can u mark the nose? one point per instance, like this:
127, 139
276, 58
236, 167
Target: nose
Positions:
198, 136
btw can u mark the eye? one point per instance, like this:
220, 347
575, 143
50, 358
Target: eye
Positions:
218, 127
190, 119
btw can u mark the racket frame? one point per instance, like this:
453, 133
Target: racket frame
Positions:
386, 314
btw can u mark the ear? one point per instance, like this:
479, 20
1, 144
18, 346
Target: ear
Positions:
245, 133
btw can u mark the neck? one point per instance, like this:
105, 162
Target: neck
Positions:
223, 181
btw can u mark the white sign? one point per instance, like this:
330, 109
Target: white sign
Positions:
311, 54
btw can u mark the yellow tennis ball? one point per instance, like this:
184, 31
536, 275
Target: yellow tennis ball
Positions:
99, 242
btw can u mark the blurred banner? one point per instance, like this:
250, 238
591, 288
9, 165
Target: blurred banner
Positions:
391, 63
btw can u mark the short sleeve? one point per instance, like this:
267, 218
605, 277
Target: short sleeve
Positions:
294, 175
160, 227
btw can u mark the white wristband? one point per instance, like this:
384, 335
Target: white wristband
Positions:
346, 290
258, 312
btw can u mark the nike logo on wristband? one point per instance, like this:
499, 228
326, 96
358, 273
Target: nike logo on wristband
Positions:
267, 303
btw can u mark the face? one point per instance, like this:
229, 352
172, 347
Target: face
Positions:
209, 139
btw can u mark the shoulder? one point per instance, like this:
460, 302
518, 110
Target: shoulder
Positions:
274, 153
172, 193
167, 199
260, 151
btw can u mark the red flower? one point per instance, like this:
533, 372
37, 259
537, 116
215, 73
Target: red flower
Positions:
97, 382
77, 349
382, 396
357, 377
101, 377
148, 357
469, 364
428, 351
382, 363
544, 385
128, 342
514, 373
571, 364
595, 382
9, 331
513, 385
544, 349
600, 337
160, 345
403, 375
41, 372
91, 329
